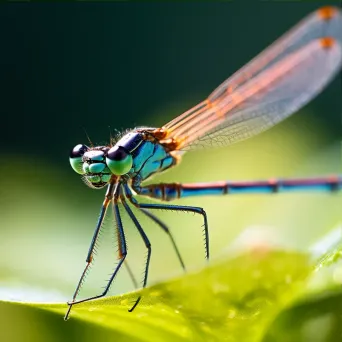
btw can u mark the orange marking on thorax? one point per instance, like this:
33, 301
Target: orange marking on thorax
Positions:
160, 133
172, 144
327, 42
327, 12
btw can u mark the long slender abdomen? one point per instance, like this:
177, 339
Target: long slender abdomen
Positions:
168, 192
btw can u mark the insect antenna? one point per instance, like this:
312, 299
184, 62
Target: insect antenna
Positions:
86, 133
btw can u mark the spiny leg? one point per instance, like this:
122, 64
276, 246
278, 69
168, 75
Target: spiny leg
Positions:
122, 254
171, 191
163, 226
147, 244
184, 208
108, 199
129, 270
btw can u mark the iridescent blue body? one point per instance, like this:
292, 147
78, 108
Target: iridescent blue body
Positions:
145, 151
274, 85
149, 156
168, 192
134, 158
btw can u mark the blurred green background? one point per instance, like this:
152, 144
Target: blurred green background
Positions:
69, 66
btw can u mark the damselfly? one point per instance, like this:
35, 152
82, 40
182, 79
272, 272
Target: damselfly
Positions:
275, 84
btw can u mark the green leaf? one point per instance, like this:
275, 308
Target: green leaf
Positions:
317, 315
313, 319
332, 255
231, 300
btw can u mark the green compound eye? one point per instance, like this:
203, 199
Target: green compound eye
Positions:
119, 161
75, 158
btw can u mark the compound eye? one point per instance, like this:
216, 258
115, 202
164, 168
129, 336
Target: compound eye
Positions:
75, 158
119, 160
78, 151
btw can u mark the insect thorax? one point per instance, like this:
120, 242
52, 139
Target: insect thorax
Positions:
149, 156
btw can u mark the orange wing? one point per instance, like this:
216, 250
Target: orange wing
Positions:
274, 85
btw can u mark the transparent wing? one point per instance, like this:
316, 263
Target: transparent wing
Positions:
275, 84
